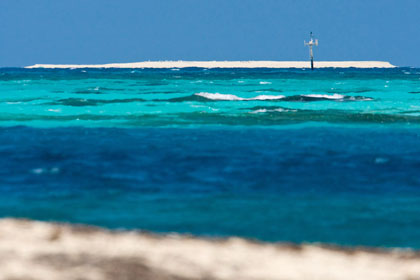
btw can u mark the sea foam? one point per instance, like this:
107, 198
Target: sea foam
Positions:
325, 96
278, 110
302, 97
229, 97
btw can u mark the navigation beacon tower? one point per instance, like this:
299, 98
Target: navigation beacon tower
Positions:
310, 44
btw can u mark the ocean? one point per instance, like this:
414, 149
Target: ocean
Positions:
280, 155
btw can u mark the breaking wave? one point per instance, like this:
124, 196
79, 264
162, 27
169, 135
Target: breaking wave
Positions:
219, 96
206, 96
325, 96
275, 110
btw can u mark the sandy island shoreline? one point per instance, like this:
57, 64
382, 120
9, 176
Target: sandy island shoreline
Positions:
38, 250
226, 64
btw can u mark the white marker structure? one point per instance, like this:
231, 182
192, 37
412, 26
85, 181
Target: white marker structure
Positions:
310, 44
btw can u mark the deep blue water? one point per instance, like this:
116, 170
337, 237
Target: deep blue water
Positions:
353, 186
328, 156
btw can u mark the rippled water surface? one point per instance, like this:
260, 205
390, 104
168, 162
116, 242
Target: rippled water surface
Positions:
135, 98
280, 155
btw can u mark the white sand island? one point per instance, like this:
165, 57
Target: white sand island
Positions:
226, 64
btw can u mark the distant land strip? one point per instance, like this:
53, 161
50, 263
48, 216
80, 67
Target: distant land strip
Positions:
226, 64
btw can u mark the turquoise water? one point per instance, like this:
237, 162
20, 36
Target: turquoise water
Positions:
194, 97
327, 156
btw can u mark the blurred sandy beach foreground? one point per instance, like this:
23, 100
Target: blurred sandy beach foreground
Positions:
33, 250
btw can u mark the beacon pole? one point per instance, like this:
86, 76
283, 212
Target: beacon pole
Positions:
310, 44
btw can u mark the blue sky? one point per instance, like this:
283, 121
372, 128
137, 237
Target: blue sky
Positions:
102, 31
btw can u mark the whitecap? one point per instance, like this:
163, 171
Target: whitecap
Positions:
54, 110
266, 97
271, 110
265, 83
352, 98
232, 97
326, 96
218, 96
259, 111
